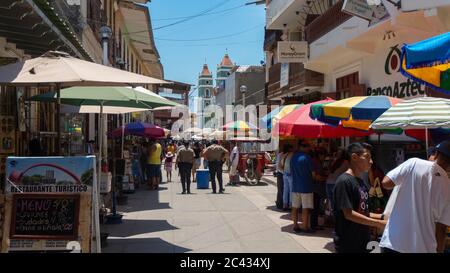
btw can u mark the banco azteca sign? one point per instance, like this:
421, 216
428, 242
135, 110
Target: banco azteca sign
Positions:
398, 89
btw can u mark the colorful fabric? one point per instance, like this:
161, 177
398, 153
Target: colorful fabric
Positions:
239, 126
357, 108
139, 129
428, 62
278, 113
299, 123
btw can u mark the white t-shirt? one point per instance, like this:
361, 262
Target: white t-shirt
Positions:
235, 156
423, 199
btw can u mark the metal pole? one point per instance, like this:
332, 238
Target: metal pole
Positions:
113, 185
123, 133
58, 118
97, 197
100, 143
426, 141
96, 214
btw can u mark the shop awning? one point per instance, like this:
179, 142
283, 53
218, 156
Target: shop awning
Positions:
138, 31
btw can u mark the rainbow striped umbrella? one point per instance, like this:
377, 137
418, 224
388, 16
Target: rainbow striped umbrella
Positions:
239, 126
428, 62
278, 113
356, 112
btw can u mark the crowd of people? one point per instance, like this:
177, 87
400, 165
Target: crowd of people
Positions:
414, 218
184, 156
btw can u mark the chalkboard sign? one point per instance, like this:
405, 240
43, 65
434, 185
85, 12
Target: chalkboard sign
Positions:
45, 216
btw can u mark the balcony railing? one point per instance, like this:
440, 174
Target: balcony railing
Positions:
299, 77
325, 23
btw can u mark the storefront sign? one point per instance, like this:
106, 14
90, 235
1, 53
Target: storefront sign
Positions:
410, 5
385, 77
50, 174
360, 8
398, 89
284, 76
293, 52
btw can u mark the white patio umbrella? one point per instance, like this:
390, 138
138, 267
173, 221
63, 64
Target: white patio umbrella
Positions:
61, 69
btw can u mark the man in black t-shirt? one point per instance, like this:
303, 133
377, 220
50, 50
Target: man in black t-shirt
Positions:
351, 203
197, 159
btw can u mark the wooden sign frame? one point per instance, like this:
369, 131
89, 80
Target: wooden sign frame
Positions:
16, 197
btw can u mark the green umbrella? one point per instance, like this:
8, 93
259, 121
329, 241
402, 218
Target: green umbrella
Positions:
106, 96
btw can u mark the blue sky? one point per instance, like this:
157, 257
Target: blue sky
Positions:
226, 24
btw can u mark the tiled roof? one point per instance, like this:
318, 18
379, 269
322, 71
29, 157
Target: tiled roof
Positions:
226, 61
205, 71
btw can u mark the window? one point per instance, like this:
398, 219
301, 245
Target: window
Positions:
7, 101
124, 51
119, 49
343, 85
207, 93
127, 58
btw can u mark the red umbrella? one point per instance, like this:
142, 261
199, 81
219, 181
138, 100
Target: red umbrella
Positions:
139, 129
300, 124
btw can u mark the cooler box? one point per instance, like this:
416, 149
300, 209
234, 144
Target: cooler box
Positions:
202, 179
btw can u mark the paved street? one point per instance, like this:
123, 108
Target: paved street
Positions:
244, 219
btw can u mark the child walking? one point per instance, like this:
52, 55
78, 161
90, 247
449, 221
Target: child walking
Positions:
168, 166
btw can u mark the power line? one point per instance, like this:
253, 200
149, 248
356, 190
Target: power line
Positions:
211, 38
206, 14
193, 16
219, 44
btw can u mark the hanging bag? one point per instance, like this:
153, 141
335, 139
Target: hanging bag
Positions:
376, 197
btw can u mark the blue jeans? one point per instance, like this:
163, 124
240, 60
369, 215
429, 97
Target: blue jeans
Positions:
330, 188
287, 189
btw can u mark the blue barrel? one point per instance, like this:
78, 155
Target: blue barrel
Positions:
202, 179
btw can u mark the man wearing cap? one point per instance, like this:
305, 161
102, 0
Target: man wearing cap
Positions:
421, 211
185, 161
215, 154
